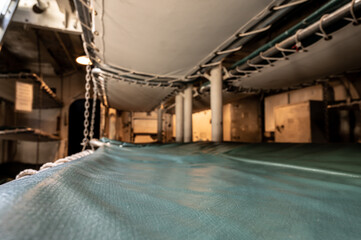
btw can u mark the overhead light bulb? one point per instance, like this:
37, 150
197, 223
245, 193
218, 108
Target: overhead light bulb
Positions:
83, 60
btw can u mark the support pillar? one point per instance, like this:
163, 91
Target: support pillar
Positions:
188, 108
160, 124
216, 103
179, 118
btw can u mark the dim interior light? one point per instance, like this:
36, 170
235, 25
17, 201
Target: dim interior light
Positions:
83, 60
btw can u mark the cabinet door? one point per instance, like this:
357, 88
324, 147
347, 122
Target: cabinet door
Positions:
293, 123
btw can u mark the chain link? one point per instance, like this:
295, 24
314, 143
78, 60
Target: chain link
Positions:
95, 93
86, 107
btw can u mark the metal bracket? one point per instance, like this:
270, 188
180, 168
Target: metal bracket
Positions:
6, 15
52, 18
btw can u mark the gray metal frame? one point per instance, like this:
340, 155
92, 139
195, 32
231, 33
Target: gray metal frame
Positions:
5, 18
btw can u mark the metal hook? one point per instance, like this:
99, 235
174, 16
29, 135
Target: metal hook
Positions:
269, 59
245, 72
289, 5
86, 5
229, 50
151, 79
211, 64
354, 19
323, 32
255, 31
282, 50
86, 26
298, 42
257, 66
192, 76
231, 75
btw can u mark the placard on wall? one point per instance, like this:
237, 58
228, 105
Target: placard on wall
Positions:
24, 96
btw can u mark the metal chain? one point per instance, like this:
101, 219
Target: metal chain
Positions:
86, 107
325, 103
95, 94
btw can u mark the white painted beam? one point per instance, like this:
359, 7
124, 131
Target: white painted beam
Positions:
188, 108
179, 110
160, 125
216, 103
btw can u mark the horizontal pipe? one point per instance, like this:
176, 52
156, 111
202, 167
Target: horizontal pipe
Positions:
328, 7
303, 34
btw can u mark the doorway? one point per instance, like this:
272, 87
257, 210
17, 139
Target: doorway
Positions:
76, 124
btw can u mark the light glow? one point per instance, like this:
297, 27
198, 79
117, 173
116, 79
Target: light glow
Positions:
83, 60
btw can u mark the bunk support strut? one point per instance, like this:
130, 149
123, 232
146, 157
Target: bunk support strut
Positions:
188, 97
160, 124
216, 103
179, 117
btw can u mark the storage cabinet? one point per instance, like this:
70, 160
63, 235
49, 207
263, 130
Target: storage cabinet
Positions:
300, 123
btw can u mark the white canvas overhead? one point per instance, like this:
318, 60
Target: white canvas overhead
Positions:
166, 37
133, 97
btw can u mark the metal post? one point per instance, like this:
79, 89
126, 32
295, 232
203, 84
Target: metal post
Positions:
160, 124
40, 6
216, 103
188, 97
179, 118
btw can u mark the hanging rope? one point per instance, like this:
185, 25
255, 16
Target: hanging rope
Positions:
29, 172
